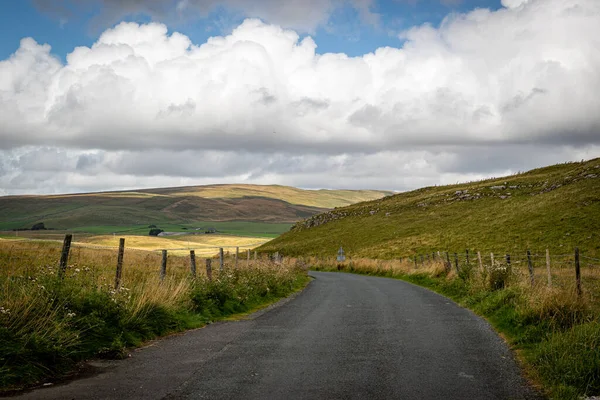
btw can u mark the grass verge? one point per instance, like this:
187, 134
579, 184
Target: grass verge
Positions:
555, 333
48, 325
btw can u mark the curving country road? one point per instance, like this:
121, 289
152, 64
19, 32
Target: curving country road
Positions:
344, 337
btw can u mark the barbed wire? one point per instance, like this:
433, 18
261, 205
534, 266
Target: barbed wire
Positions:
589, 258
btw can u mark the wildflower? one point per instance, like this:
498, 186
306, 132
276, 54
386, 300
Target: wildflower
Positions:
70, 314
77, 270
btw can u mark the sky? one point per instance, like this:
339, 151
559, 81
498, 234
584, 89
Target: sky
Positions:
357, 94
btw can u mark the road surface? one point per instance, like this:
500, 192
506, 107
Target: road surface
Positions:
344, 337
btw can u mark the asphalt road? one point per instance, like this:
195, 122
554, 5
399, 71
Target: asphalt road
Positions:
345, 337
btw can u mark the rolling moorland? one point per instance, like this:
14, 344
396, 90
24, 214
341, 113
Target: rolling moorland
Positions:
553, 327
247, 210
556, 208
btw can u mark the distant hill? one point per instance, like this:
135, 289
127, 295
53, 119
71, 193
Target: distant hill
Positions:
223, 207
556, 207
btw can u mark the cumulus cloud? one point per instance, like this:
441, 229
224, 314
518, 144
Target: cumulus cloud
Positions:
260, 105
513, 3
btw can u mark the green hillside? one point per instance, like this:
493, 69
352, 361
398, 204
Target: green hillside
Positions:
556, 207
237, 209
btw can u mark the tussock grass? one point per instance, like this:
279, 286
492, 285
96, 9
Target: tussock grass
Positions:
48, 325
555, 332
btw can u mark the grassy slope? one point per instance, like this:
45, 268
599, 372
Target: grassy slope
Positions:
556, 207
274, 208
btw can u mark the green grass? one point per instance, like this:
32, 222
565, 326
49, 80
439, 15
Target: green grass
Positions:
239, 228
557, 207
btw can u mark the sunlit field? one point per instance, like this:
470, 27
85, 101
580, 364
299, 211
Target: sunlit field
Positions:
203, 245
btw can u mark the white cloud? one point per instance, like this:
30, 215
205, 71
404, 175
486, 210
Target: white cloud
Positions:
261, 104
513, 3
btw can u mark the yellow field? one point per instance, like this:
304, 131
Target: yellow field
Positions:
203, 245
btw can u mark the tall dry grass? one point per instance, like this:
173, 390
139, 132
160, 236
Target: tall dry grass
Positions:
562, 290
47, 324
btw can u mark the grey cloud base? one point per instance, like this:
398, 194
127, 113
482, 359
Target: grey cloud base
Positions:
53, 170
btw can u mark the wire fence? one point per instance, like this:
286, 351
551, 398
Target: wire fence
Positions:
26, 259
571, 271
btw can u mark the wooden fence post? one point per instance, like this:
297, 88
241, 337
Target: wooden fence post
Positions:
467, 252
193, 263
479, 261
530, 266
456, 263
248, 259
209, 269
237, 256
255, 256
508, 268
448, 263
492, 259
416, 266
163, 266
548, 267
422, 259
119, 263
577, 272
221, 260
64, 256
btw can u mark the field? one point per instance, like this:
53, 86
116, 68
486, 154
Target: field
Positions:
249, 210
556, 208
240, 228
49, 324
204, 245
